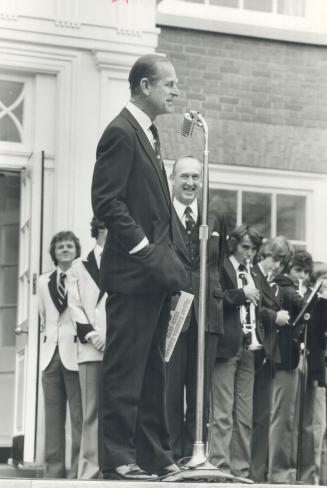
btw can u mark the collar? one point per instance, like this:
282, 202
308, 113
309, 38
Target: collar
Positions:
142, 118
97, 253
234, 262
180, 208
262, 270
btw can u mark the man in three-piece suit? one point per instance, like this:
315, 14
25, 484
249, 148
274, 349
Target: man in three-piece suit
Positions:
234, 369
271, 255
58, 350
182, 367
140, 270
87, 308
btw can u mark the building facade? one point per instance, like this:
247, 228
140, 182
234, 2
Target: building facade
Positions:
258, 77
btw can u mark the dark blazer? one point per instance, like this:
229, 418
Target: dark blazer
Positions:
288, 354
216, 250
130, 194
233, 298
270, 305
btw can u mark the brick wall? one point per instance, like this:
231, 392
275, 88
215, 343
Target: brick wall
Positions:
265, 101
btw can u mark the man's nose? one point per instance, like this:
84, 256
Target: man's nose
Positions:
175, 90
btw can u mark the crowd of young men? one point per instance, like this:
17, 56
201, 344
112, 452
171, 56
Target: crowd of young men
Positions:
108, 360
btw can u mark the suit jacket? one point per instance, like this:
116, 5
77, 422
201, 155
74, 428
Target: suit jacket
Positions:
86, 306
130, 194
216, 250
233, 298
270, 305
56, 329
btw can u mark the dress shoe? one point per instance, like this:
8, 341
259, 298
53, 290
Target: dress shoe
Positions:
168, 470
129, 472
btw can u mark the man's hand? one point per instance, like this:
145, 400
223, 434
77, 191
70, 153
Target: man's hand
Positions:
251, 293
282, 318
96, 341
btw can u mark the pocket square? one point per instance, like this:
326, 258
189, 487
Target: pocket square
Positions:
215, 234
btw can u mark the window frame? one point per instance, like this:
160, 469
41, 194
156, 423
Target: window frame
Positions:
26, 144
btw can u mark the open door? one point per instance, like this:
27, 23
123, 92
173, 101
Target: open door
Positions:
27, 330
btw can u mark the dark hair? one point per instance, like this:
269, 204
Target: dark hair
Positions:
301, 259
276, 247
144, 67
96, 225
65, 235
239, 233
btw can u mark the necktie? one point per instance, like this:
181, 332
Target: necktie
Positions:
189, 221
61, 290
156, 141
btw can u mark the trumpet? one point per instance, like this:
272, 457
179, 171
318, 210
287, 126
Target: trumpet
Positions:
248, 315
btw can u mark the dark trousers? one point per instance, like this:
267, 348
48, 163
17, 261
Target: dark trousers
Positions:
132, 408
181, 389
262, 401
60, 385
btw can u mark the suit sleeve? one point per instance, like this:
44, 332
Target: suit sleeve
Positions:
75, 305
115, 159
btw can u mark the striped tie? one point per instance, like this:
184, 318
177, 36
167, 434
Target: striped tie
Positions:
61, 289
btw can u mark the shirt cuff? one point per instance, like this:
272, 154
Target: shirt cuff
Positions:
144, 242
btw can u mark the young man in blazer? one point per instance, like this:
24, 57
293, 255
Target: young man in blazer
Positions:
87, 308
186, 180
140, 270
234, 369
58, 351
272, 254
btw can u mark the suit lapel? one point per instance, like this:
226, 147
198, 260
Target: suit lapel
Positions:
177, 232
230, 272
52, 285
266, 288
145, 143
92, 267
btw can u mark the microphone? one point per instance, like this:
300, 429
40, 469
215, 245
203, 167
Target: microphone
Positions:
189, 121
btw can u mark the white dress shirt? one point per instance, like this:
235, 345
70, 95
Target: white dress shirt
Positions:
180, 210
97, 254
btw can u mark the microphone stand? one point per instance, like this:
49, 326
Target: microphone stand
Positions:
198, 466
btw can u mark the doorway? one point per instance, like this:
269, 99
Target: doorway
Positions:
9, 255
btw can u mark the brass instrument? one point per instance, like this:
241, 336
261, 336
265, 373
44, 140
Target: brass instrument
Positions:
248, 315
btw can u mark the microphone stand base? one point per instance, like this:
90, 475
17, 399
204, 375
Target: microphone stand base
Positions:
204, 472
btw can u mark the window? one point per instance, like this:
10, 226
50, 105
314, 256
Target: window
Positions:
11, 111
283, 7
272, 213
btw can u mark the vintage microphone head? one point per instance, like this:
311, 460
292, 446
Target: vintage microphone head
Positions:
189, 122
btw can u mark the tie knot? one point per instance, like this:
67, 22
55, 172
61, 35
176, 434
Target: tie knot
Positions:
62, 275
154, 131
241, 267
188, 211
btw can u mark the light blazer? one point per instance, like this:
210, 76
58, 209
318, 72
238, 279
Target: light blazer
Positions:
87, 311
56, 329
130, 194
216, 250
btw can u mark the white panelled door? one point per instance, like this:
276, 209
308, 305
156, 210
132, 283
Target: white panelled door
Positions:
27, 330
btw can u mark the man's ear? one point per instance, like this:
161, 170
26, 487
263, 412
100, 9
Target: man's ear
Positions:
145, 86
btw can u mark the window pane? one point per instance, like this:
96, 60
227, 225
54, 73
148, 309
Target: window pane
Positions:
226, 202
256, 211
291, 216
7, 326
260, 5
8, 130
10, 91
225, 3
291, 7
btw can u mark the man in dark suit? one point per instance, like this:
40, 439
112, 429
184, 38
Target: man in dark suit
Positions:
182, 367
140, 270
234, 369
271, 255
